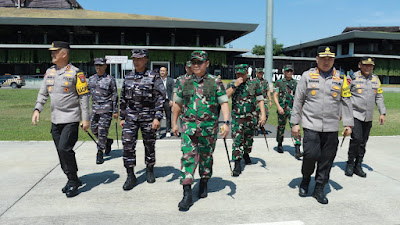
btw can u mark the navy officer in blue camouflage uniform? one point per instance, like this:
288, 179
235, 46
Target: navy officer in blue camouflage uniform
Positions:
67, 87
141, 106
103, 89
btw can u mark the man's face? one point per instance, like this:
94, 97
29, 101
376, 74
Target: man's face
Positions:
288, 74
198, 67
163, 72
260, 75
100, 69
366, 69
58, 56
140, 63
242, 75
325, 63
188, 70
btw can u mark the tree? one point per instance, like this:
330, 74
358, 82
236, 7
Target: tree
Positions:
260, 49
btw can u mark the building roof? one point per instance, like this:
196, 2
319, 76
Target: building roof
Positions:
80, 17
345, 36
379, 29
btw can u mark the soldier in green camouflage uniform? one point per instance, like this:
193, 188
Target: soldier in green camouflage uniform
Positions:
246, 96
284, 91
198, 96
266, 92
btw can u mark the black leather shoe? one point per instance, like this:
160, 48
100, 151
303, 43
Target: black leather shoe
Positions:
99, 157
186, 201
73, 188
203, 190
349, 169
65, 188
150, 174
303, 189
280, 148
319, 193
130, 182
359, 171
246, 158
108, 147
238, 168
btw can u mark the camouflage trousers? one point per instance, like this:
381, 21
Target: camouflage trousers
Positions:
99, 125
196, 150
242, 135
282, 119
129, 140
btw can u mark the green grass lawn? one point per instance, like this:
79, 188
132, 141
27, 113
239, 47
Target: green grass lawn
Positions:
17, 105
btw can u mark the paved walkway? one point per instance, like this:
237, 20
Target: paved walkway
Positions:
265, 193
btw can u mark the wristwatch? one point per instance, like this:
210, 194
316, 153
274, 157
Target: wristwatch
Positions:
227, 122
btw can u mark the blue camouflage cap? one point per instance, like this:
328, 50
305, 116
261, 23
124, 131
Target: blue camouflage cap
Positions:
100, 61
139, 53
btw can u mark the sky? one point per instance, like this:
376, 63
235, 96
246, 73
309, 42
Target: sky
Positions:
294, 21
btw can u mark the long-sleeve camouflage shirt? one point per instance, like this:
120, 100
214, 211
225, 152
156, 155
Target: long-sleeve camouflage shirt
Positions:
286, 90
365, 93
245, 99
199, 98
142, 96
104, 93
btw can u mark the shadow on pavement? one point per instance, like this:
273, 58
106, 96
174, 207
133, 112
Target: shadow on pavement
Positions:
295, 184
92, 180
215, 184
342, 166
159, 172
116, 153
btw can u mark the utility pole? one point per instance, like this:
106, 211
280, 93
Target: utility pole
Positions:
269, 43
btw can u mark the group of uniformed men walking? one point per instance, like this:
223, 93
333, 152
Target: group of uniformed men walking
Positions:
318, 102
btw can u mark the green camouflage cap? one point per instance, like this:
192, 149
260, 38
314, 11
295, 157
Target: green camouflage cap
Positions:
200, 55
258, 70
188, 64
288, 67
241, 68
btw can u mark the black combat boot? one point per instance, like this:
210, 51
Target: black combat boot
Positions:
238, 168
71, 189
99, 157
319, 193
246, 158
65, 188
187, 201
358, 168
150, 174
130, 180
297, 151
203, 190
280, 148
303, 189
349, 168
108, 147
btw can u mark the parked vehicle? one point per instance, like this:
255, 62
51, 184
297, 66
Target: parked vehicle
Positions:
14, 81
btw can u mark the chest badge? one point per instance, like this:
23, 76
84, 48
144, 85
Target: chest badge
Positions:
50, 88
359, 91
313, 92
66, 89
66, 83
334, 94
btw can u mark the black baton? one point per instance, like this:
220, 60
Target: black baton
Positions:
265, 136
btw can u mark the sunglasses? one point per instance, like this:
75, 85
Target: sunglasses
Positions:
198, 62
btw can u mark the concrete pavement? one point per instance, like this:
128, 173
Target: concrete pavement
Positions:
265, 193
